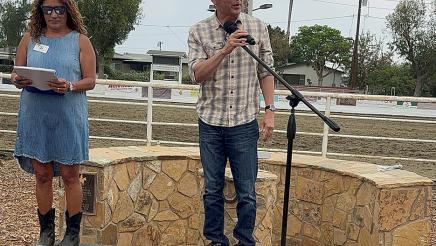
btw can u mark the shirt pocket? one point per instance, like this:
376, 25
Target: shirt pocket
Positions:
211, 48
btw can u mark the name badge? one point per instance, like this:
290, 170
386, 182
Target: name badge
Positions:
41, 48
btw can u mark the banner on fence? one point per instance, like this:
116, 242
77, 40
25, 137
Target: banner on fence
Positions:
128, 92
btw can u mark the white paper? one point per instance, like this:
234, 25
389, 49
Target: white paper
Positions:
39, 76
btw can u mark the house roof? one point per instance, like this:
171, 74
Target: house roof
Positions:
166, 53
6, 50
147, 58
328, 65
133, 57
5, 55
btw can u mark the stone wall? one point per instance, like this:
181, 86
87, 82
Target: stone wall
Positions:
351, 203
152, 196
157, 200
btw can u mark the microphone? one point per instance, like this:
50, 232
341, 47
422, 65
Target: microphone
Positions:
231, 26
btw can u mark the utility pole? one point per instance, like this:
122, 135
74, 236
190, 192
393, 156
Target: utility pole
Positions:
288, 32
354, 66
247, 7
159, 44
250, 7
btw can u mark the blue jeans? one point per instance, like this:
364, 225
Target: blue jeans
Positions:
239, 145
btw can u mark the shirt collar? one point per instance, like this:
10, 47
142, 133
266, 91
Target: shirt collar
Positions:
220, 25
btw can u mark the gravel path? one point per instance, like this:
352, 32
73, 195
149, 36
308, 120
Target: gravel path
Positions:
18, 218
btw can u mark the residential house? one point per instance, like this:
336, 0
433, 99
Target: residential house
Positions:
300, 74
5, 57
142, 62
129, 61
5, 65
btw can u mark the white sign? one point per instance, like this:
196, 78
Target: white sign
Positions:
118, 91
166, 68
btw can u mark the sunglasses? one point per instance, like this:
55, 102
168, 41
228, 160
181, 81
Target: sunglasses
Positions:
59, 10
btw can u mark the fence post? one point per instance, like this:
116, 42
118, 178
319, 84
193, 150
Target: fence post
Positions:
325, 137
149, 114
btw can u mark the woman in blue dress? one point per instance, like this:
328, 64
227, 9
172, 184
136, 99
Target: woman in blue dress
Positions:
52, 132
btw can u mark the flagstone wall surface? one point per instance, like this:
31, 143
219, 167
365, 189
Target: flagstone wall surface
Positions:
153, 196
336, 202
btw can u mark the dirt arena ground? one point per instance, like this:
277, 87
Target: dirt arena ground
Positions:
304, 124
18, 225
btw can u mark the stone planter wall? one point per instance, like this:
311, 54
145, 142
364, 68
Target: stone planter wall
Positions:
157, 200
152, 196
337, 202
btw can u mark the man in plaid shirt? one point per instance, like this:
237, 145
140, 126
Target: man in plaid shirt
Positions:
230, 83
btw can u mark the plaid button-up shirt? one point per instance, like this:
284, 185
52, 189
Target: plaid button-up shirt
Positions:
230, 97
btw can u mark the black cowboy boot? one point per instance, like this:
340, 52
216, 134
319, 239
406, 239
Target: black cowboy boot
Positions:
47, 228
72, 233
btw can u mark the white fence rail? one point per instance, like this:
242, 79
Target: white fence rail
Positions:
327, 110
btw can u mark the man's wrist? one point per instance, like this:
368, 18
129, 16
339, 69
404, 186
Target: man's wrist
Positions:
270, 107
223, 52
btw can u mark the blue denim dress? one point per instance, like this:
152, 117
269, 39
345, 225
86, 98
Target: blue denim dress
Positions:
53, 127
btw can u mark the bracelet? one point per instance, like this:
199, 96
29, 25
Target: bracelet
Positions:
70, 86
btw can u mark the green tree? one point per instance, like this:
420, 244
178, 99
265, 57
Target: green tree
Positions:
387, 78
13, 17
280, 46
371, 57
2, 38
108, 23
414, 38
430, 80
317, 45
429, 85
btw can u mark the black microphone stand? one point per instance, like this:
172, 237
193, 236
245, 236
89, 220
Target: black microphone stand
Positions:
294, 99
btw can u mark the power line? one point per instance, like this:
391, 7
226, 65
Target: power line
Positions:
376, 17
152, 25
351, 5
275, 22
397, 1
171, 30
177, 37
326, 18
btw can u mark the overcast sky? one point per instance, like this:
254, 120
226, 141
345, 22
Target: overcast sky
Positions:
168, 21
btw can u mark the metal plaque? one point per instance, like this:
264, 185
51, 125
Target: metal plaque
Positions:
89, 187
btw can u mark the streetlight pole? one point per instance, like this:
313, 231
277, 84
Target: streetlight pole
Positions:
288, 32
354, 64
263, 6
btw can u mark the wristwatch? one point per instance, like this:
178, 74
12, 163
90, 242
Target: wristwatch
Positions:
270, 107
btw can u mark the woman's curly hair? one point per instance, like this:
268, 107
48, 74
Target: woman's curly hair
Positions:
37, 22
